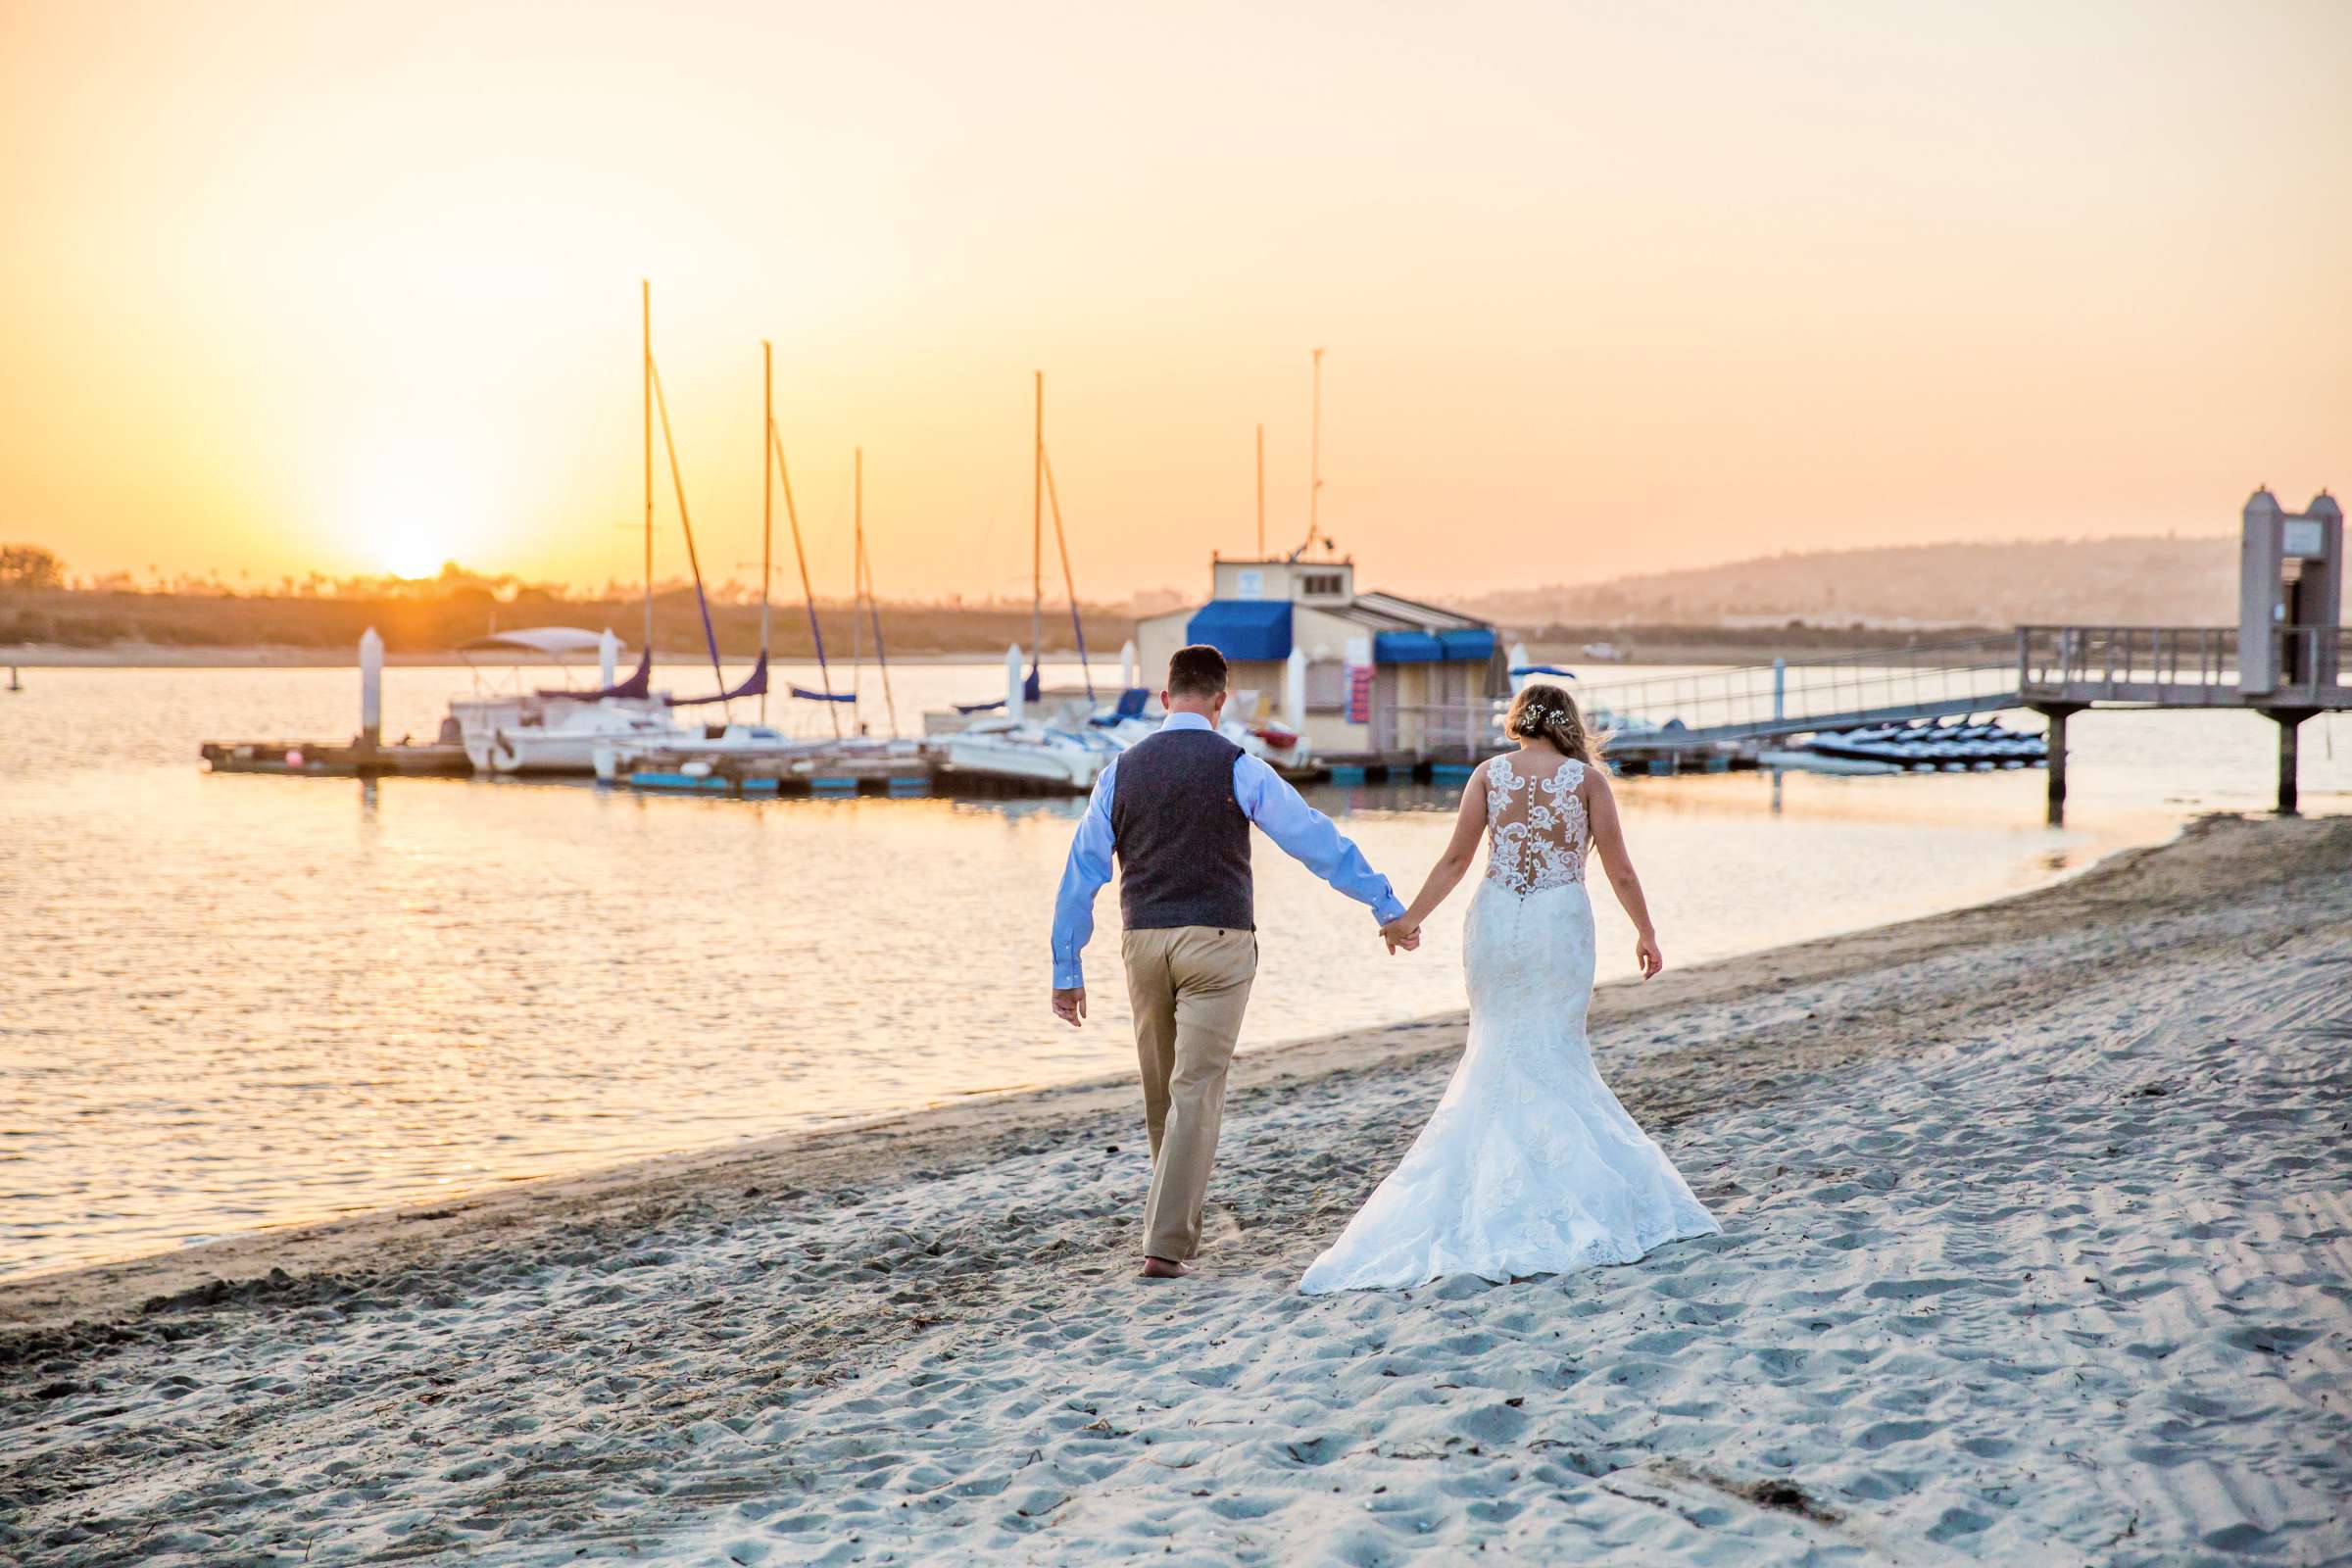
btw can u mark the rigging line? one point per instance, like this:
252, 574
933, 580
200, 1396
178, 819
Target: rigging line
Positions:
873, 607
678, 482
767, 503
856, 552
800, 553
1069, 583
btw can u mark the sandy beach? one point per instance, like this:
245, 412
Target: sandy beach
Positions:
2037, 1249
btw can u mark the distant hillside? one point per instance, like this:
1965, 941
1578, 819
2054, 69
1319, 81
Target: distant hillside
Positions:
2179, 582
433, 619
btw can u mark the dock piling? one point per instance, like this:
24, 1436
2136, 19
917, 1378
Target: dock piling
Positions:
2290, 755
371, 690
2057, 714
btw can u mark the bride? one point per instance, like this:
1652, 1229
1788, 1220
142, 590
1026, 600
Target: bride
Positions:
1528, 1165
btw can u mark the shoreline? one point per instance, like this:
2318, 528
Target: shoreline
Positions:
593, 1170
1646, 647
2034, 1220
154, 655
111, 1290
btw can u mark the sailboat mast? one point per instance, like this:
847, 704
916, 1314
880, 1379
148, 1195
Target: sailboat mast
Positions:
1037, 531
799, 553
1261, 491
856, 577
767, 495
645, 379
1314, 459
873, 605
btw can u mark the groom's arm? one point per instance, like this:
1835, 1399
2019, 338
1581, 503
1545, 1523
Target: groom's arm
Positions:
1087, 868
1310, 838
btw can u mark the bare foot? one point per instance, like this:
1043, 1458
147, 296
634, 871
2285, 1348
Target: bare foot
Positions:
1164, 1268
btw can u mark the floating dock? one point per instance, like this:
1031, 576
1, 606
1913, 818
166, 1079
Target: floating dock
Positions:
356, 759
836, 773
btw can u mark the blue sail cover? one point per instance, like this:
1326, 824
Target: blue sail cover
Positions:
1029, 691
640, 684
753, 685
1463, 643
807, 696
1253, 630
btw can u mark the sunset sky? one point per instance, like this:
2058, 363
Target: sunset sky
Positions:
1605, 287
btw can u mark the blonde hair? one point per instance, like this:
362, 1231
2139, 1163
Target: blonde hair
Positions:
1546, 712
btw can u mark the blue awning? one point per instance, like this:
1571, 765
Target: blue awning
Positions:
1407, 648
1468, 643
1252, 629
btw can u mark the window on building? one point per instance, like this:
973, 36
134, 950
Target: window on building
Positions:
1320, 584
1325, 686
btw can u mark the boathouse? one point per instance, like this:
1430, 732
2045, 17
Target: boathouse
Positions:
1364, 676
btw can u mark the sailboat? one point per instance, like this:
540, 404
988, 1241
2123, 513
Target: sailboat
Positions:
730, 756
560, 731
1000, 740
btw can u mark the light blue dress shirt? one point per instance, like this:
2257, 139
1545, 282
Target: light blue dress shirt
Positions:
1303, 833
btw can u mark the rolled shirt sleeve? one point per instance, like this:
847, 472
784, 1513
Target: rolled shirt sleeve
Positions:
1082, 877
1306, 835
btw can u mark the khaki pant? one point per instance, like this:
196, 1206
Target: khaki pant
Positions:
1188, 986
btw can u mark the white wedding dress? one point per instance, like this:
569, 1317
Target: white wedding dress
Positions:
1528, 1165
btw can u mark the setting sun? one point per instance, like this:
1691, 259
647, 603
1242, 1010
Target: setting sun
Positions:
412, 552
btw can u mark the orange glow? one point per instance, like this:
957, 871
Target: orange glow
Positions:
1605, 288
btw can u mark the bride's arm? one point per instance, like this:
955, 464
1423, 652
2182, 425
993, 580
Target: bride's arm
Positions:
1469, 826
1608, 838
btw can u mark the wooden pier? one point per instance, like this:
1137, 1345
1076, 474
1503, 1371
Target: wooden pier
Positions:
2063, 671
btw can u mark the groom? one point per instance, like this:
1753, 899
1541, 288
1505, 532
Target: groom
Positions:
1176, 808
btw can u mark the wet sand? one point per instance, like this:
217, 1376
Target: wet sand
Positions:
2037, 1249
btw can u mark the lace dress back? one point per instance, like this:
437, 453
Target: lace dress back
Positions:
1528, 1165
1535, 824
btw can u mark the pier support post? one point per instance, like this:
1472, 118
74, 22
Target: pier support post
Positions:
371, 690
2290, 722
2057, 713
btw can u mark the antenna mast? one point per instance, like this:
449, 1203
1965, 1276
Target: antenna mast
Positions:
1314, 457
645, 379
1314, 465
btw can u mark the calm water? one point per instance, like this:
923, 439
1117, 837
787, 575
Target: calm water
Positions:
234, 1002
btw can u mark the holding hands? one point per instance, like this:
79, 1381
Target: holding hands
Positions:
1403, 932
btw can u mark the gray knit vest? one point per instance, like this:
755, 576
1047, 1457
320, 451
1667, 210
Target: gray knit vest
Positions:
1183, 841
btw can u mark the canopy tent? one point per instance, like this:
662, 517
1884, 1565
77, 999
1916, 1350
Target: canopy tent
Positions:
552, 641
1246, 631
1467, 643
1407, 648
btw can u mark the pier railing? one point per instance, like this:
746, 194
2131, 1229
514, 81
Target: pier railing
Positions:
1438, 729
2177, 667
1973, 674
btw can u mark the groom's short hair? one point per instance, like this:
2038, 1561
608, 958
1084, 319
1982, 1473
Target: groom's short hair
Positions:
1197, 672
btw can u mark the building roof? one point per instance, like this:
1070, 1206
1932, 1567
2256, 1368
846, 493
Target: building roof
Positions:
1391, 613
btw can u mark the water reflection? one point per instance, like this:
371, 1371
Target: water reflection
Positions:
243, 1000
